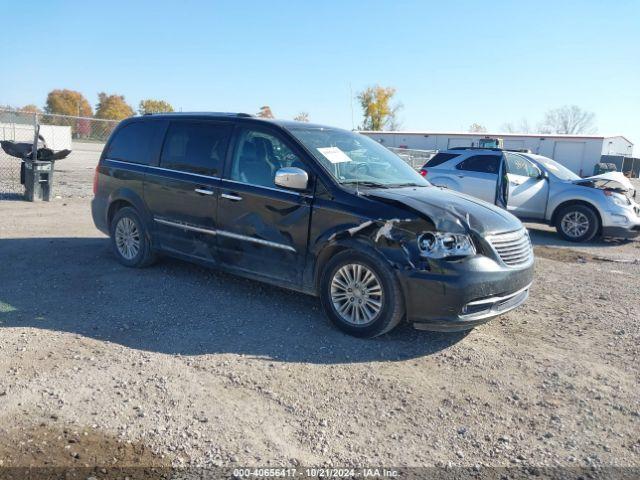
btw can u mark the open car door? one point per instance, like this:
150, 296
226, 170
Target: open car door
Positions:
502, 184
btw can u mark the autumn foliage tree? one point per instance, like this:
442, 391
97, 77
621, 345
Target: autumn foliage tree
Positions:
265, 112
113, 107
154, 106
377, 108
31, 108
68, 102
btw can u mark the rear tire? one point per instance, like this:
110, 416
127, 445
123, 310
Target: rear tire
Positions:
577, 223
361, 295
129, 239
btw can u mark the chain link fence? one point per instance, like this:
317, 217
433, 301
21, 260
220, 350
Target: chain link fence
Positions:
415, 158
18, 127
84, 136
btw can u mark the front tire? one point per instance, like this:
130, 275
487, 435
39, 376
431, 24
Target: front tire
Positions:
361, 295
577, 223
129, 239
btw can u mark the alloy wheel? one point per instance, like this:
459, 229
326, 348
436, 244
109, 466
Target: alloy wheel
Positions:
127, 238
356, 294
575, 224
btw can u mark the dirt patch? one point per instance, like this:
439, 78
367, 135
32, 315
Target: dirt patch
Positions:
44, 452
567, 255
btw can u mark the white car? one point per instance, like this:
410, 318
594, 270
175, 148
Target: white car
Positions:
538, 189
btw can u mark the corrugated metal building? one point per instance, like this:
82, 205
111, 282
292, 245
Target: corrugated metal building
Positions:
579, 153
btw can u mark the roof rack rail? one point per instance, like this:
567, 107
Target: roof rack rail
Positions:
243, 115
515, 150
476, 148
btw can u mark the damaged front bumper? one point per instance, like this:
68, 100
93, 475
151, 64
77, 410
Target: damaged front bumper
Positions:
622, 222
463, 294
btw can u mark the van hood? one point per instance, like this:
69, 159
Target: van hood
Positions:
450, 211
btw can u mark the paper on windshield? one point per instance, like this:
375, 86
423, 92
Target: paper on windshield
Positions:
334, 154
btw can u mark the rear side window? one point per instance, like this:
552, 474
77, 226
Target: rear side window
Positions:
481, 163
440, 158
134, 143
195, 147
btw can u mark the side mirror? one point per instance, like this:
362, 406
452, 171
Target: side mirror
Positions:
543, 175
293, 178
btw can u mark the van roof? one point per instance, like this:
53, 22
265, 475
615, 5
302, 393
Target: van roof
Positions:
282, 123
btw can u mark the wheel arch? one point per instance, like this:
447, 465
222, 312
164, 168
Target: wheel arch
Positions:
357, 243
321, 261
568, 203
128, 198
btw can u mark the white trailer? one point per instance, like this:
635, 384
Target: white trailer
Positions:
579, 153
57, 137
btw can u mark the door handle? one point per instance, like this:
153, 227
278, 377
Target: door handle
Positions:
231, 197
203, 191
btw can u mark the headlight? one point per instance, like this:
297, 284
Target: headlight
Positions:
620, 200
443, 245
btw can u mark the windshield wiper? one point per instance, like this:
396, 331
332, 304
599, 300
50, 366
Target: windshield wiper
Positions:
408, 184
365, 183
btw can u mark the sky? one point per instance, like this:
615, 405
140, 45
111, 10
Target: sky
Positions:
453, 63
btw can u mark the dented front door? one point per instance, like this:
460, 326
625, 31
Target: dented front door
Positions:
263, 228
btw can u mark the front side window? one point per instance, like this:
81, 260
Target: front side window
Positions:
195, 147
257, 157
518, 165
354, 159
481, 163
134, 142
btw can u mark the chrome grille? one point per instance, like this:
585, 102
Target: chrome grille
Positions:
513, 248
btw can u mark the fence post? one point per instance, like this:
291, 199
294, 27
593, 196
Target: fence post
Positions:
36, 131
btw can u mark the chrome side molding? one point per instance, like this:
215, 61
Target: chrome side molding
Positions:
224, 233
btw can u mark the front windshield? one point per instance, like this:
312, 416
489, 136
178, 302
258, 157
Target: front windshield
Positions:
353, 159
554, 168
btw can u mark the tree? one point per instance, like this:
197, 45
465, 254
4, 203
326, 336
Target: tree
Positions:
265, 112
302, 117
377, 110
68, 102
568, 119
31, 108
112, 107
394, 123
522, 127
154, 106
477, 128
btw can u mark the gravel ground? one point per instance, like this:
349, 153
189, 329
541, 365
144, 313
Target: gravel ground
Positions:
180, 365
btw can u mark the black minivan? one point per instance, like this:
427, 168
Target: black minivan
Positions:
317, 209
